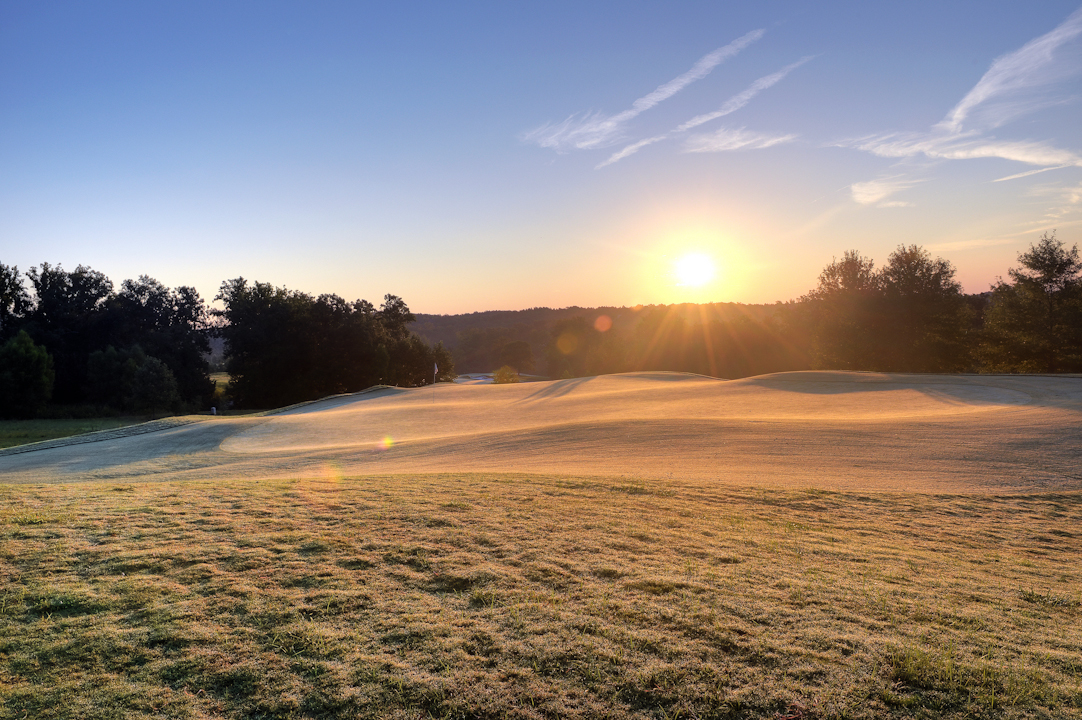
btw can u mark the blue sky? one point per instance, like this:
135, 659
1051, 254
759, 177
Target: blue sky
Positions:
499, 157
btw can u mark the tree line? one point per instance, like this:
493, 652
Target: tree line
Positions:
74, 340
908, 316
74, 343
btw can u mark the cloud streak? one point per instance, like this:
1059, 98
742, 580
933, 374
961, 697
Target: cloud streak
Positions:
874, 192
743, 98
725, 140
630, 150
965, 146
1031, 66
1030, 172
598, 130
1014, 85
731, 105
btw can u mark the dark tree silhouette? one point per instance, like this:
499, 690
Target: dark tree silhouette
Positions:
910, 316
840, 313
285, 346
1034, 324
26, 377
68, 318
14, 300
923, 319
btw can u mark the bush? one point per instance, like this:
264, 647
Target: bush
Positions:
130, 380
506, 375
26, 377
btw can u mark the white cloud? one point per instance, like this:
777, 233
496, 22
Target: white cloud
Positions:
1027, 173
874, 192
1014, 85
724, 140
731, 105
1016, 74
598, 130
964, 147
630, 150
743, 98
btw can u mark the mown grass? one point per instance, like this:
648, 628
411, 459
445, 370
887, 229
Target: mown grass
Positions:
20, 432
534, 597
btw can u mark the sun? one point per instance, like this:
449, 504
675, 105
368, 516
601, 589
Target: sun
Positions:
694, 270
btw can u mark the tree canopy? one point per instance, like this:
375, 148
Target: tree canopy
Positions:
284, 346
1034, 323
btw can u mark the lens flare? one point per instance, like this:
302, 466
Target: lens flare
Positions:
694, 269
603, 323
386, 443
332, 472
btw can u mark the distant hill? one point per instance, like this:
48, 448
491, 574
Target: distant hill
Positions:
476, 338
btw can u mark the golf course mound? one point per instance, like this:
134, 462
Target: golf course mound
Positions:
831, 430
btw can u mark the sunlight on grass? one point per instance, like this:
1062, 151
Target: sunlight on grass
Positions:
531, 597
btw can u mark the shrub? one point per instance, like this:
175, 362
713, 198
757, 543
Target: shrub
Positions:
26, 377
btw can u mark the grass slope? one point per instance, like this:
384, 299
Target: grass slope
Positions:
21, 432
488, 596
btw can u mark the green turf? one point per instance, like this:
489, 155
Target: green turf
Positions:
20, 432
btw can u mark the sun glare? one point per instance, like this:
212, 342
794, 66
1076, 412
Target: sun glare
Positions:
694, 270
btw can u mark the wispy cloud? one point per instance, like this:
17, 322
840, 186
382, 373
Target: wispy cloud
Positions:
1027, 173
743, 98
874, 192
630, 150
1015, 84
1066, 200
598, 130
731, 105
965, 146
724, 139
1031, 66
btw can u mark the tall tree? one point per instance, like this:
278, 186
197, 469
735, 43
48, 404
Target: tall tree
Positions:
14, 300
841, 313
1034, 323
284, 346
924, 320
170, 325
68, 318
26, 377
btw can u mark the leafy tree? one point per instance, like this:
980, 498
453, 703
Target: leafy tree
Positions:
268, 343
923, 318
68, 318
1034, 324
170, 325
910, 316
506, 375
394, 316
26, 377
130, 380
14, 300
285, 346
840, 313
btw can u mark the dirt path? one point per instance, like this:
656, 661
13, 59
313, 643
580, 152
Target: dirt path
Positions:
809, 429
